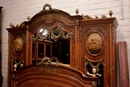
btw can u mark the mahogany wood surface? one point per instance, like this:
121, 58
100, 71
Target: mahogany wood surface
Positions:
80, 28
123, 64
62, 76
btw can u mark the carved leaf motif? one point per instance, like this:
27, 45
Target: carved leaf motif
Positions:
83, 33
103, 30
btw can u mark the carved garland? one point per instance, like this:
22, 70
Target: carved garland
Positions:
51, 36
47, 64
95, 68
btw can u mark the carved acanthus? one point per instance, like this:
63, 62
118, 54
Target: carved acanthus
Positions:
86, 17
103, 30
83, 33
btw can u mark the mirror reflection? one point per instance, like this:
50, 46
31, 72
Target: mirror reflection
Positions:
43, 32
52, 43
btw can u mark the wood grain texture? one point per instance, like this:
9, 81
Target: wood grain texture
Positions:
123, 64
62, 76
80, 31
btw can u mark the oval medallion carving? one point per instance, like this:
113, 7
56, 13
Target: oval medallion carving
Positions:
18, 44
94, 43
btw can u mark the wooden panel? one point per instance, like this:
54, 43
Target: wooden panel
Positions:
123, 64
62, 76
96, 33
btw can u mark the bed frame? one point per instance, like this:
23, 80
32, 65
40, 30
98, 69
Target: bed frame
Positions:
90, 50
59, 75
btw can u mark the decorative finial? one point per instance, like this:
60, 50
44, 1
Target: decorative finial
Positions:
103, 16
94, 71
11, 25
110, 13
77, 11
96, 17
47, 6
28, 18
21, 65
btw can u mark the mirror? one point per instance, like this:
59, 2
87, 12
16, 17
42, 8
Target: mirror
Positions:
40, 50
61, 50
43, 33
52, 43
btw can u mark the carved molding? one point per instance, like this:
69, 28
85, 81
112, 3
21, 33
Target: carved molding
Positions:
112, 32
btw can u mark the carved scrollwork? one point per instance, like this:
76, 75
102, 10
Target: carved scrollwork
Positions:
56, 33
86, 17
47, 5
48, 64
48, 11
83, 33
103, 30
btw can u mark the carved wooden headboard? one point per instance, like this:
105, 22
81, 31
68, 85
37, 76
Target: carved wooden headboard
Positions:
86, 44
53, 76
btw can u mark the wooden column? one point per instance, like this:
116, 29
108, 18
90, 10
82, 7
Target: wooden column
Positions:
123, 64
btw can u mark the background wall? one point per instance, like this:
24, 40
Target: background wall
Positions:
16, 11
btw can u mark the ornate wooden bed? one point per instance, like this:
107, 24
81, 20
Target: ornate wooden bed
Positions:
59, 76
84, 47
